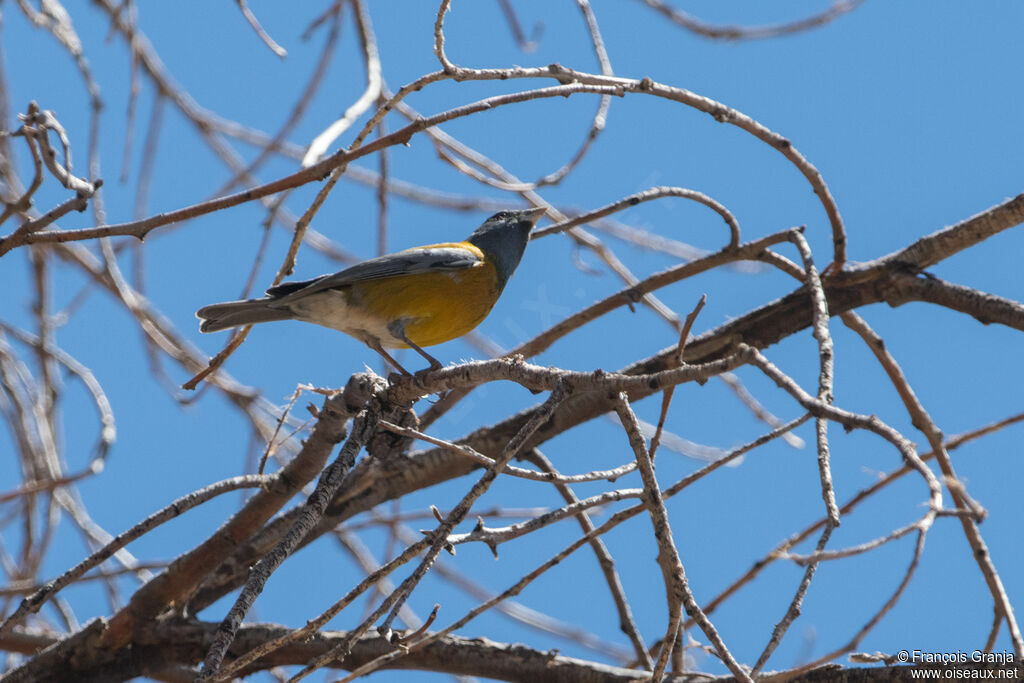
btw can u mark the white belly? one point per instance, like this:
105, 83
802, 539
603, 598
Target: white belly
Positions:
331, 309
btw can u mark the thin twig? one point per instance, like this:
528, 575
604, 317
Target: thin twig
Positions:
707, 30
34, 602
677, 587
922, 420
263, 35
374, 81
511, 470
607, 563
666, 399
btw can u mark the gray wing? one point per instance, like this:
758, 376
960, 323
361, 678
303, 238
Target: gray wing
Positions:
409, 262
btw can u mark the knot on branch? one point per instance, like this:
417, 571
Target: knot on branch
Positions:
561, 74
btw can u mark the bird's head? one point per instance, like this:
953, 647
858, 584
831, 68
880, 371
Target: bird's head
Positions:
503, 238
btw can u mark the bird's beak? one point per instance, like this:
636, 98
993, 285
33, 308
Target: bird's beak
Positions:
533, 215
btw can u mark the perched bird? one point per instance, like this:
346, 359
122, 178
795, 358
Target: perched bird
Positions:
411, 299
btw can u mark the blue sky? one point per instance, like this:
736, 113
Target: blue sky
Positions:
911, 112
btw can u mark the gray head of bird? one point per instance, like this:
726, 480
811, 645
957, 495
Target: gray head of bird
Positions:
503, 238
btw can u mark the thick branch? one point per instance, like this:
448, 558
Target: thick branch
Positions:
167, 644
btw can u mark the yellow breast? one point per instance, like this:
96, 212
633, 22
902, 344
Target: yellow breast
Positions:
434, 307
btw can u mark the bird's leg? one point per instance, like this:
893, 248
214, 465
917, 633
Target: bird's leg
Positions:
387, 356
435, 364
399, 331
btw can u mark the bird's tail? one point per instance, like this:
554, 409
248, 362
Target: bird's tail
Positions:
235, 313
